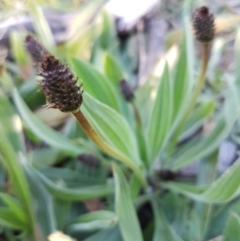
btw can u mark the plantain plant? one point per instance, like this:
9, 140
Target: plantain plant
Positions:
112, 166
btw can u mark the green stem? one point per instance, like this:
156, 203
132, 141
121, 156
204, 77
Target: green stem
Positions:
196, 92
136, 115
105, 147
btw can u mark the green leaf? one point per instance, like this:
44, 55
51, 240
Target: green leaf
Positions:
200, 148
224, 189
232, 229
44, 211
128, 221
206, 175
16, 39
189, 152
78, 194
219, 217
198, 116
180, 86
15, 207
11, 162
41, 26
93, 221
112, 70
106, 235
107, 37
44, 132
237, 58
160, 118
111, 126
10, 220
163, 230
95, 83
12, 124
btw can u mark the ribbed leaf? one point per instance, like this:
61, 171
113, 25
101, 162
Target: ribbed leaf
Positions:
163, 231
160, 118
93, 221
232, 229
44, 132
84, 193
12, 124
224, 189
128, 221
111, 126
106, 235
10, 220
19, 54
198, 116
95, 83
208, 144
112, 70
41, 26
15, 207
43, 202
107, 37
10, 161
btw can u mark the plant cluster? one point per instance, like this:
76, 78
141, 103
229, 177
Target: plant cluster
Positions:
111, 166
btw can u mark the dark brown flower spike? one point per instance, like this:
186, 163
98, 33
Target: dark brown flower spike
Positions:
59, 85
126, 90
35, 49
203, 24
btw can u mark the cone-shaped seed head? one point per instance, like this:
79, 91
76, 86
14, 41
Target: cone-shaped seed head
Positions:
59, 85
203, 24
126, 90
35, 49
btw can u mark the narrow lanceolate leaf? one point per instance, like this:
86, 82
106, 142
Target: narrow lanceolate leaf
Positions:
107, 38
83, 193
128, 221
112, 70
17, 48
41, 25
95, 83
15, 207
200, 114
180, 85
10, 220
41, 130
12, 124
183, 83
10, 161
43, 202
163, 231
237, 58
111, 126
224, 189
232, 229
190, 153
160, 117
94, 221
109, 234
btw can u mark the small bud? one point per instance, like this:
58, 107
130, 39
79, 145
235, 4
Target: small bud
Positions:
89, 160
203, 24
35, 49
59, 85
126, 90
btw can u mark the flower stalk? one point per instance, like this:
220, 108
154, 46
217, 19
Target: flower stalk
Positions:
104, 146
62, 92
204, 28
